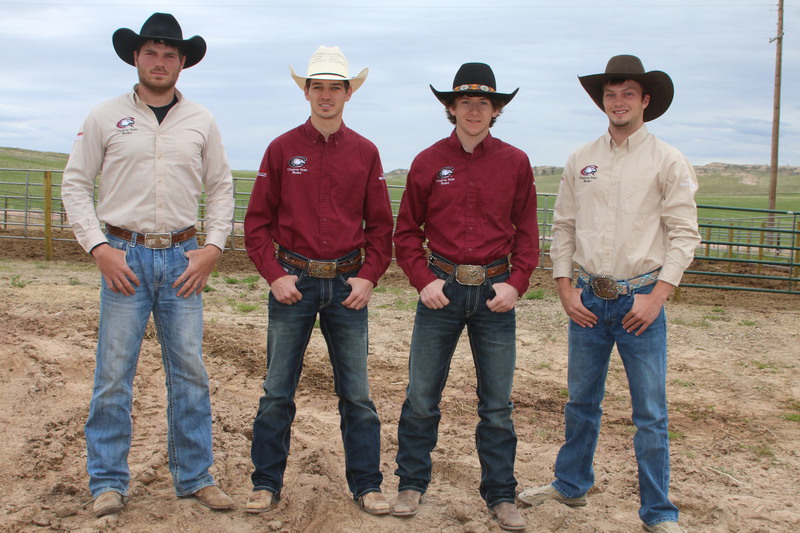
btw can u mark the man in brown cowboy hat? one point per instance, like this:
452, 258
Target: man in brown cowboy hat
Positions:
320, 195
157, 152
472, 198
625, 213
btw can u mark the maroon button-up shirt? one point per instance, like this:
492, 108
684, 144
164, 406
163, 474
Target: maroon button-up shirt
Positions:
321, 200
473, 209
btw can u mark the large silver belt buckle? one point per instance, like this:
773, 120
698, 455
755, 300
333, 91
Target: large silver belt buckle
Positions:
322, 269
605, 287
157, 240
470, 274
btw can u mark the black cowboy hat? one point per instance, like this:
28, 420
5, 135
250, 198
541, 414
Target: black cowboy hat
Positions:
656, 83
159, 27
474, 78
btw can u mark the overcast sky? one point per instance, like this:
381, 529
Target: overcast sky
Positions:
57, 62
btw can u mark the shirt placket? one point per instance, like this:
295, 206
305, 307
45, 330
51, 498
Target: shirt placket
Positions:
325, 212
160, 177
471, 237
612, 207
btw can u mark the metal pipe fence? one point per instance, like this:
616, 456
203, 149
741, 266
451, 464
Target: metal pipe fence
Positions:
746, 249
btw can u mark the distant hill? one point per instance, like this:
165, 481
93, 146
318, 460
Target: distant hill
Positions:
716, 179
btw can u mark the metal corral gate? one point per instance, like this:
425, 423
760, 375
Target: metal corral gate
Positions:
747, 250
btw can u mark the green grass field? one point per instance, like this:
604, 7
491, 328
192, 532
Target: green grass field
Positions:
737, 186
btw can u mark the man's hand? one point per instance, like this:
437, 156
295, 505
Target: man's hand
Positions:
646, 308
195, 277
505, 298
114, 269
360, 294
284, 289
571, 302
432, 295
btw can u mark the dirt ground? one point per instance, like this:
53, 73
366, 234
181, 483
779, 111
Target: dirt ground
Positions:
733, 388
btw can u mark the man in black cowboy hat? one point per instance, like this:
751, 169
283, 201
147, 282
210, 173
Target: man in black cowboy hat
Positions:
472, 198
625, 213
157, 152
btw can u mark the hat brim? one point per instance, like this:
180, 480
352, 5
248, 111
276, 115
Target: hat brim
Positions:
658, 85
127, 41
355, 82
503, 98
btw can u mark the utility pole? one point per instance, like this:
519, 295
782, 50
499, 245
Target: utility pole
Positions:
776, 110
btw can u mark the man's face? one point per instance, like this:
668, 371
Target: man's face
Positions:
159, 66
327, 98
624, 104
473, 115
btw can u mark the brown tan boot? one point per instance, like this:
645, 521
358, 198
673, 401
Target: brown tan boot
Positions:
260, 501
374, 503
507, 517
406, 504
213, 498
108, 503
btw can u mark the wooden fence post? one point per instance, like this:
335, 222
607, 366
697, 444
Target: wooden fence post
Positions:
48, 215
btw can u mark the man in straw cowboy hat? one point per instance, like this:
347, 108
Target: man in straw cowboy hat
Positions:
472, 198
320, 195
157, 152
625, 213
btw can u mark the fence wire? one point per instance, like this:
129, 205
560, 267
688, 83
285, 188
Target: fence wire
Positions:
744, 249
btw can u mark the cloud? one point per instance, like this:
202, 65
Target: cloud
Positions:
58, 63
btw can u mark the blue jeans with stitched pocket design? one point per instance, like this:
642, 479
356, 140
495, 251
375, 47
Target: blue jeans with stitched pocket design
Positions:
179, 325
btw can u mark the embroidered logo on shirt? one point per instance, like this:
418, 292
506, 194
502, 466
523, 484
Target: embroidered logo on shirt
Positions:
125, 126
589, 173
445, 176
297, 164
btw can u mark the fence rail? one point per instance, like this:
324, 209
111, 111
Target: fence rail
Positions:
757, 250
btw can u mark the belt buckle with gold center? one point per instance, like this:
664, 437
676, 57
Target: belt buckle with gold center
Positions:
470, 274
322, 269
157, 240
605, 287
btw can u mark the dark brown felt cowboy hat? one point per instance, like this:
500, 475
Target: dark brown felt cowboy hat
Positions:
656, 83
159, 27
474, 78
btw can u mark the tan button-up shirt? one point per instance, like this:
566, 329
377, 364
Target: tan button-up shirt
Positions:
151, 175
622, 211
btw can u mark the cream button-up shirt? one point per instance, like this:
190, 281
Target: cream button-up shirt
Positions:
151, 175
623, 211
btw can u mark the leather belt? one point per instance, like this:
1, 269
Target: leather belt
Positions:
321, 269
469, 274
608, 288
153, 240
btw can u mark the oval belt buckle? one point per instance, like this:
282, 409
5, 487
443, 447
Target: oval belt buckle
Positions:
605, 287
470, 274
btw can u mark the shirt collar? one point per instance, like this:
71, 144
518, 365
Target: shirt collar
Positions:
631, 143
482, 146
314, 135
136, 100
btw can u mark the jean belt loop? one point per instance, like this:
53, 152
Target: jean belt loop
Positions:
132, 242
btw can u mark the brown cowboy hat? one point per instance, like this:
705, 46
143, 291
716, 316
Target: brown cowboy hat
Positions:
474, 78
656, 83
159, 27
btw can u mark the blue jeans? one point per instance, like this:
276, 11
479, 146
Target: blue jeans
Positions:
492, 337
645, 361
179, 325
346, 334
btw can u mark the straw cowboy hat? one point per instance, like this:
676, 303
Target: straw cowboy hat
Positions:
656, 83
329, 63
474, 78
159, 27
